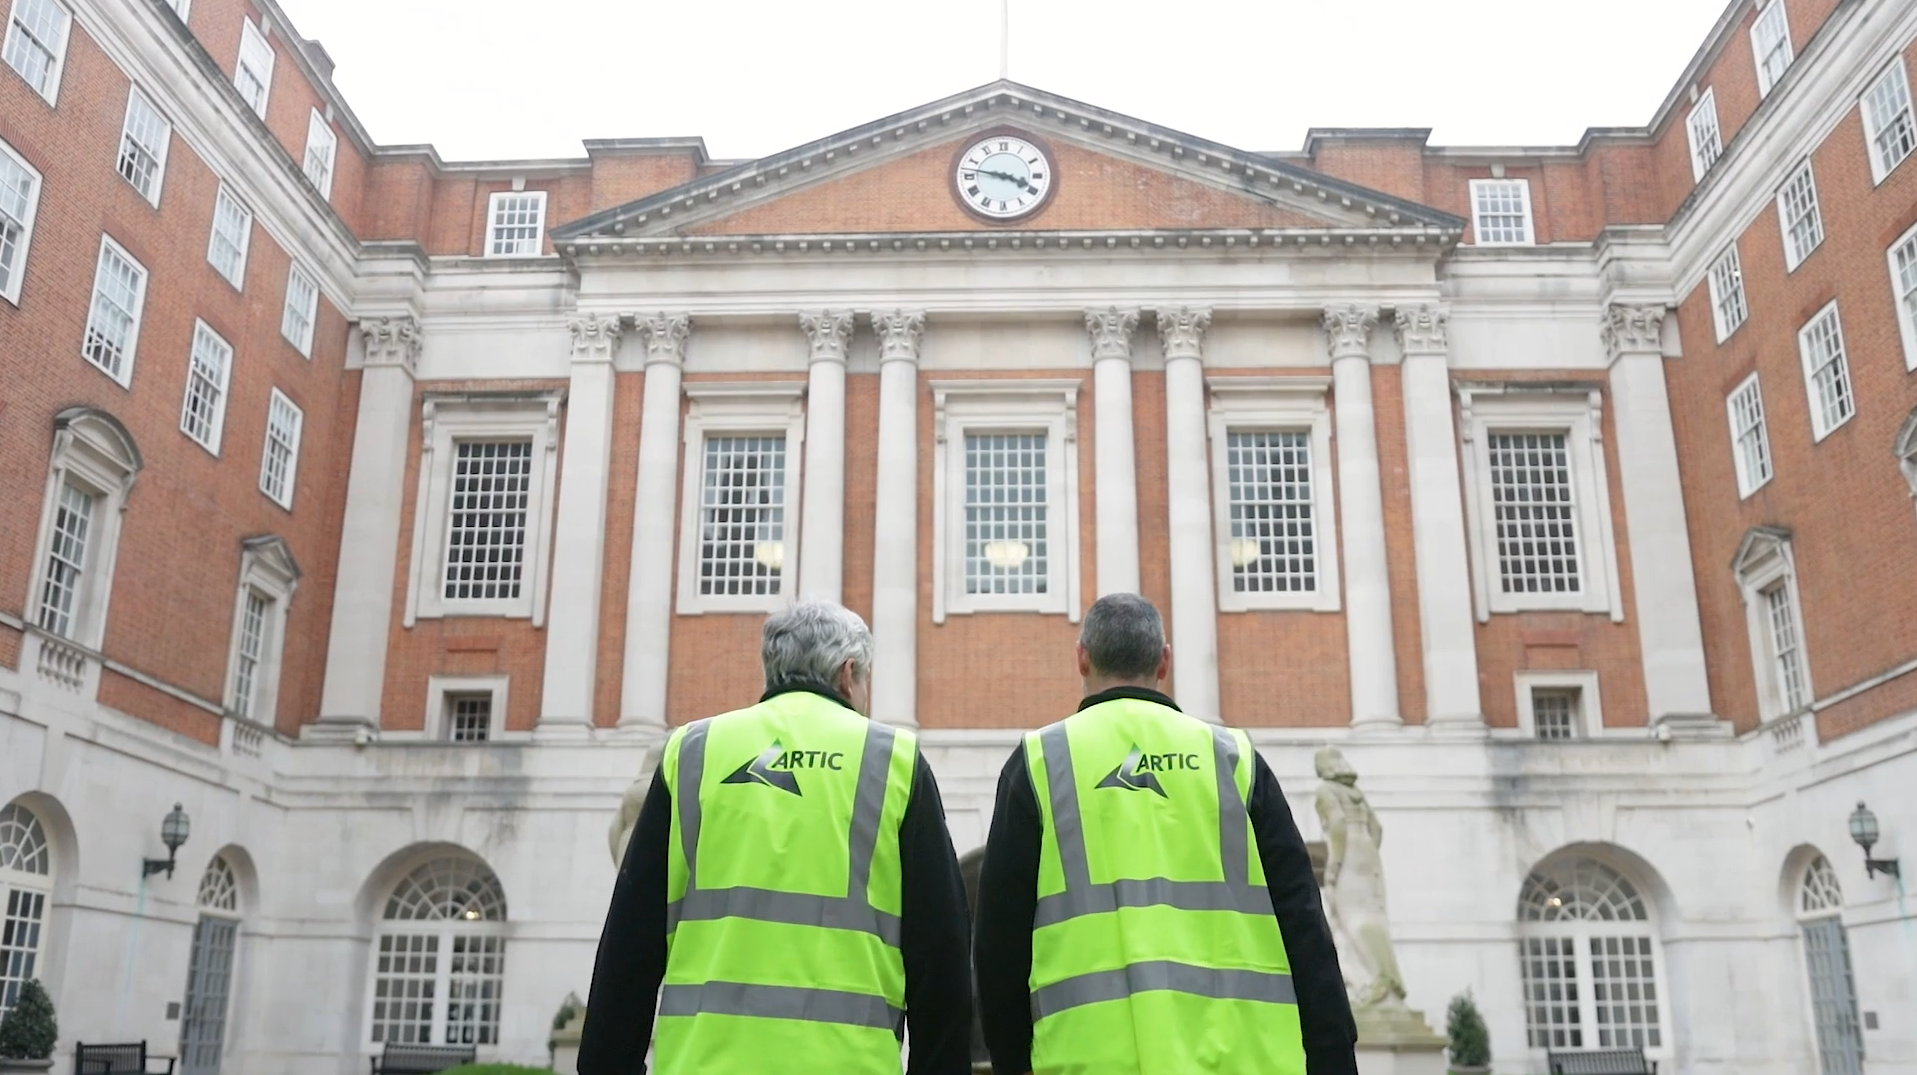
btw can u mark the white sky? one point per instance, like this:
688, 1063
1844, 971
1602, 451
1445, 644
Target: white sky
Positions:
487, 79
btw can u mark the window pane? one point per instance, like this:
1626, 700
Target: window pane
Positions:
1006, 550
113, 322
277, 467
1887, 119
1750, 438
18, 190
1727, 294
252, 646
302, 307
143, 145
473, 990
232, 225
1624, 987
1551, 1014
19, 941
1781, 611
742, 517
1803, 224
1503, 212
321, 144
1554, 712
1706, 142
517, 222
1828, 371
66, 560
1274, 537
403, 988
36, 38
1771, 40
253, 75
1534, 513
205, 407
470, 717
486, 527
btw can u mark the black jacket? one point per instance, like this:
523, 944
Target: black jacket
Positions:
632, 950
1008, 899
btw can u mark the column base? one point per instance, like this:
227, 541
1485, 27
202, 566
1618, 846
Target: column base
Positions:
1671, 726
638, 731
563, 730
1459, 726
356, 730
1376, 727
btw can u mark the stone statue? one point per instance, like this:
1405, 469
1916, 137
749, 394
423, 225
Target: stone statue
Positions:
1355, 887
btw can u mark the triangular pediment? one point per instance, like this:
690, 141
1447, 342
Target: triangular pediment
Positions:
1114, 174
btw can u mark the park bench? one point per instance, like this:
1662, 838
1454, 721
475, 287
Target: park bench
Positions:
421, 1059
128, 1059
1602, 1062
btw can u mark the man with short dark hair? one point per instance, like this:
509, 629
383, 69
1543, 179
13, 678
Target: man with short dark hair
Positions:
1146, 905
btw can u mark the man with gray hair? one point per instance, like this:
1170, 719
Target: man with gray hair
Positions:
1158, 914
789, 899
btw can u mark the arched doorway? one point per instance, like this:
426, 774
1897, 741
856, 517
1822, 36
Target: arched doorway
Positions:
1589, 960
1820, 906
26, 885
439, 962
209, 975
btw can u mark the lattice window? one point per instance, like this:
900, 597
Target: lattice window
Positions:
405, 979
469, 717
321, 147
450, 889
19, 197
1826, 372
1780, 610
1588, 961
251, 652
23, 842
232, 233
1887, 121
486, 526
1554, 713
279, 464
113, 320
1552, 1012
302, 310
25, 878
1624, 989
1728, 307
1750, 439
66, 561
203, 415
442, 984
220, 887
1502, 211
1534, 512
1903, 280
1274, 536
1820, 892
1771, 45
1706, 142
253, 76
1583, 890
36, 44
742, 516
518, 223
477, 975
1798, 213
143, 145
1005, 514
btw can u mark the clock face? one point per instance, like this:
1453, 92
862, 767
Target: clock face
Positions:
1003, 177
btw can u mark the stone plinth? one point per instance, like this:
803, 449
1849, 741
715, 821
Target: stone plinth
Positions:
1394, 1040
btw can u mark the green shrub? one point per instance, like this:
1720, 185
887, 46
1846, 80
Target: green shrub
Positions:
29, 1029
1470, 1038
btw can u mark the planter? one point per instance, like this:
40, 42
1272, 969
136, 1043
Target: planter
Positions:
35, 1066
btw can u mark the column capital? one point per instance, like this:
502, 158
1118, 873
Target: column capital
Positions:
1111, 331
1181, 331
829, 332
1423, 329
665, 336
595, 337
392, 341
899, 334
1633, 329
1348, 329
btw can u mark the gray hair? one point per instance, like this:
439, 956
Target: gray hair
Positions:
1124, 636
811, 641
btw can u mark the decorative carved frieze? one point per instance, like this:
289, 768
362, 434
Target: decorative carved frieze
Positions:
1348, 330
1423, 330
665, 336
392, 341
595, 337
1111, 331
1630, 330
829, 332
1182, 331
899, 334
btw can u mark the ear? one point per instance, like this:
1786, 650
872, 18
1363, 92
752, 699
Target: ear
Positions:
1164, 665
1084, 661
846, 677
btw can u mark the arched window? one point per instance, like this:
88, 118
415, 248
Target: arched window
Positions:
26, 880
1589, 959
209, 974
441, 959
1820, 905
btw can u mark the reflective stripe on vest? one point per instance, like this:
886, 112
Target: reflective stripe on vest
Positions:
780, 1002
1119, 984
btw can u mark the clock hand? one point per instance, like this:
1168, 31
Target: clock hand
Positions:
1020, 181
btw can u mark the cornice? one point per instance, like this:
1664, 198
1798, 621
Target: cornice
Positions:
1424, 242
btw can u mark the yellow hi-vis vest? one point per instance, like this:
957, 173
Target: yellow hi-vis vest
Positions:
783, 892
1154, 947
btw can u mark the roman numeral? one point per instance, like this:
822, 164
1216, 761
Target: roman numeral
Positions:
971, 190
968, 176
1003, 146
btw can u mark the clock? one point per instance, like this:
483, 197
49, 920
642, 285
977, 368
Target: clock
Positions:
1003, 177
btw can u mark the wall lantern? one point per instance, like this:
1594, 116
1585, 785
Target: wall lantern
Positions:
173, 832
1863, 829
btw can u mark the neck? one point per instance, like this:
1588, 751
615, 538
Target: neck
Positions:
1097, 684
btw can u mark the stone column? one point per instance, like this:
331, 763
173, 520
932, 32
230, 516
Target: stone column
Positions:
1115, 469
579, 542
1662, 581
1437, 519
369, 536
822, 531
1374, 664
655, 515
1194, 611
895, 547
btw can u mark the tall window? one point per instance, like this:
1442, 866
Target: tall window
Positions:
253, 76
469, 716
279, 464
1780, 614
1728, 308
269, 576
321, 146
209, 976
93, 464
1767, 576
1274, 540
1798, 215
254, 609
1833, 987
113, 319
66, 567
1554, 713
1588, 959
1750, 440
19, 197
232, 234
486, 530
36, 45
1706, 143
742, 516
1006, 524
1903, 281
302, 310
1533, 503
1501, 212
143, 143
1887, 121
26, 881
1771, 45
516, 224
203, 414
440, 963
1826, 372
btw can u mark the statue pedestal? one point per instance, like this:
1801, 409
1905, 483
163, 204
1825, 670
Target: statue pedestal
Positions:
1394, 1040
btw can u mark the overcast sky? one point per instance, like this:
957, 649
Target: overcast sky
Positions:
485, 79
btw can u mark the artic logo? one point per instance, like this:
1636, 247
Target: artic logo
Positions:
776, 767
1137, 771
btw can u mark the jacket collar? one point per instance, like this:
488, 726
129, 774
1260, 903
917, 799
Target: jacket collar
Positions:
808, 686
1141, 694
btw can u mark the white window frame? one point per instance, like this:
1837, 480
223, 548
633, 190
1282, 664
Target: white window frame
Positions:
732, 409
320, 136
1766, 80
1590, 714
1765, 561
439, 716
93, 453
243, 242
57, 68
448, 419
34, 884
492, 223
267, 568
1582, 933
1706, 136
1819, 430
17, 272
124, 378
218, 430
1005, 407
184, 7
158, 152
1906, 451
252, 38
1904, 295
1794, 257
1275, 404
1747, 482
1721, 290
304, 344
284, 498
1577, 413
1477, 223
444, 930
1897, 75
